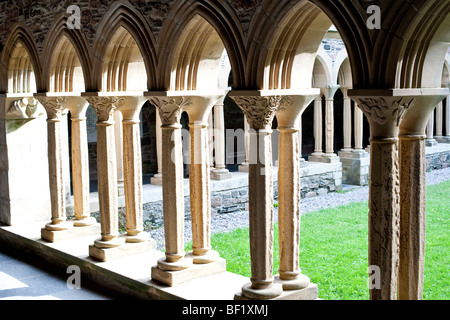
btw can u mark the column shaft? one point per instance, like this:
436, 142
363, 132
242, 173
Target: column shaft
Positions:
107, 170
412, 217
199, 192
261, 209
384, 212
439, 120
329, 127
132, 161
289, 204
80, 172
358, 123
57, 195
347, 123
318, 130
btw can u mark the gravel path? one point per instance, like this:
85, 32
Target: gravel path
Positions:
239, 219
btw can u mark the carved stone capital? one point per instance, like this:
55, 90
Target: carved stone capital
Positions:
292, 107
104, 106
54, 106
170, 108
259, 110
383, 110
25, 108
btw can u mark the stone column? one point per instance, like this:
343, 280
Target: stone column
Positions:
104, 107
211, 139
118, 131
329, 155
447, 120
54, 107
170, 109
413, 196
157, 178
439, 122
384, 113
260, 111
244, 166
318, 131
220, 172
289, 118
358, 124
430, 141
80, 162
200, 197
347, 122
132, 167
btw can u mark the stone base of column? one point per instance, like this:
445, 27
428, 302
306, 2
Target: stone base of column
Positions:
195, 271
330, 158
70, 233
220, 174
430, 143
243, 167
446, 139
308, 293
157, 179
440, 139
316, 157
355, 167
124, 250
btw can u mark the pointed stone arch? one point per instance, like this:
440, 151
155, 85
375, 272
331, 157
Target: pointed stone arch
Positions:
192, 31
283, 57
20, 69
123, 38
69, 57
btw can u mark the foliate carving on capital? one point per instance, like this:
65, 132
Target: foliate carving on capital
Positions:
380, 112
170, 108
104, 107
54, 106
25, 108
259, 111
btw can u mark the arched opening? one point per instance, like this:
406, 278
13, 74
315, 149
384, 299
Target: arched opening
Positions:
123, 68
197, 57
21, 78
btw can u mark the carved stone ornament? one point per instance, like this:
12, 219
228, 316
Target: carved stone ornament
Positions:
26, 108
170, 108
378, 111
104, 107
53, 105
259, 111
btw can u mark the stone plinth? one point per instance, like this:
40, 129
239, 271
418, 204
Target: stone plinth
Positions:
195, 271
70, 233
308, 293
355, 167
124, 250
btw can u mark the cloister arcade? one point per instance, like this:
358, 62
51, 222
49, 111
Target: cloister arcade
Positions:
268, 58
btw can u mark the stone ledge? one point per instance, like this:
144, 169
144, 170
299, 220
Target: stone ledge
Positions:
308, 293
129, 275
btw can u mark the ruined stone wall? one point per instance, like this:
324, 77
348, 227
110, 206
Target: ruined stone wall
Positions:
38, 15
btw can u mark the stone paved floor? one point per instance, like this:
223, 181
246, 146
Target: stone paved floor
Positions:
24, 278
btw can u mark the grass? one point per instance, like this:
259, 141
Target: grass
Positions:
333, 249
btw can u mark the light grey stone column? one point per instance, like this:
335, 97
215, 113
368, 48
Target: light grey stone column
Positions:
260, 111
220, 172
105, 107
54, 107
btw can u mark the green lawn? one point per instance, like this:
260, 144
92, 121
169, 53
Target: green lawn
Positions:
333, 249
